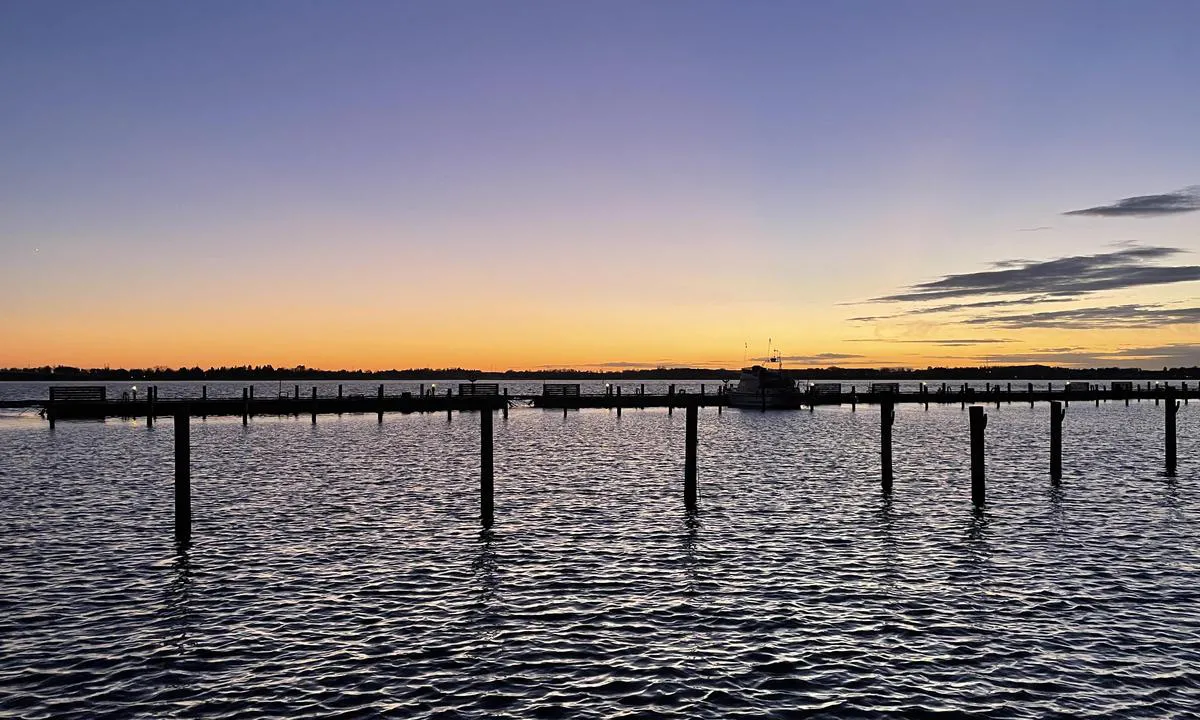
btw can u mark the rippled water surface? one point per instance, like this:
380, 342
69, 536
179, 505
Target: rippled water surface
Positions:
339, 570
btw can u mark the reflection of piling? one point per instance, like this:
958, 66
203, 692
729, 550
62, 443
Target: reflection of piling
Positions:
887, 417
183, 476
978, 423
1172, 411
1056, 420
486, 479
689, 463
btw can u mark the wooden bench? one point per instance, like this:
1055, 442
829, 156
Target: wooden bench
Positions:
479, 389
77, 393
560, 389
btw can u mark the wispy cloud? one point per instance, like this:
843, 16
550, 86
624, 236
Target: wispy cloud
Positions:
1093, 318
1039, 228
1051, 280
1180, 201
942, 343
818, 359
1175, 355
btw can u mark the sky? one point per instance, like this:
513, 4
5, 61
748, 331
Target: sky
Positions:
614, 184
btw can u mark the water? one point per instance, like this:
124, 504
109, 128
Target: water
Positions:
339, 570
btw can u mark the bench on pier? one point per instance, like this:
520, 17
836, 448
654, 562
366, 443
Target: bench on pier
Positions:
881, 388
1077, 387
826, 389
478, 389
560, 389
77, 393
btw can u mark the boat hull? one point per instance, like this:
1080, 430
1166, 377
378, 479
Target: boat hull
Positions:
771, 398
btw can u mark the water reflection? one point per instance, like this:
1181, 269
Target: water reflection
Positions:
177, 610
691, 524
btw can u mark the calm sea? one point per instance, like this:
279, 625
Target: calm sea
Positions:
338, 570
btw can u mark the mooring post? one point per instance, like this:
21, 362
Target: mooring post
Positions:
314, 405
486, 480
1157, 392
1030, 395
339, 391
150, 395
245, 407
853, 398
50, 410
252, 393
296, 393
204, 393
183, 476
381, 403
1010, 393
1172, 411
887, 417
689, 462
618, 401
449, 405
1057, 413
978, 423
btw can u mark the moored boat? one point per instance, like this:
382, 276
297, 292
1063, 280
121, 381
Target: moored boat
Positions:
761, 387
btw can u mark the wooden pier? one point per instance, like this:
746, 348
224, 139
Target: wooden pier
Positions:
486, 398
89, 403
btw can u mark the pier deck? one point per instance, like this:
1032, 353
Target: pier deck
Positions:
407, 403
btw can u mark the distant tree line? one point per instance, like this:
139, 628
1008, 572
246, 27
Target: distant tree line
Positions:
300, 372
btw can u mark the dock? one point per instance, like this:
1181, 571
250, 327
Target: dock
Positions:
91, 403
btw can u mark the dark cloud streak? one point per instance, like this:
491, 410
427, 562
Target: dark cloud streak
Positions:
1180, 201
1051, 280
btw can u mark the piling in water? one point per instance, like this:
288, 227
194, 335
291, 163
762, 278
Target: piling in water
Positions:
245, 407
486, 479
505, 409
887, 417
689, 462
380, 403
183, 476
1172, 411
978, 423
1057, 413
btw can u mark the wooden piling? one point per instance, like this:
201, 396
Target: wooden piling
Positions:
505, 408
689, 463
887, 417
1057, 413
314, 405
150, 396
618, 401
486, 479
449, 407
1031, 395
978, 423
1172, 411
296, 393
50, 410
245, 407
204, 401
183, 476
380, 406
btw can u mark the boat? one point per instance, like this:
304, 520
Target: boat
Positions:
762, 387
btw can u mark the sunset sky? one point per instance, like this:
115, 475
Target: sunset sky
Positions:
599, 184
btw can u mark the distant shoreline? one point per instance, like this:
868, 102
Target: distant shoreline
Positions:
1012, 372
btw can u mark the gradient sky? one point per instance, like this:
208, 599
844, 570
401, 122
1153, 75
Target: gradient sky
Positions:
587, 184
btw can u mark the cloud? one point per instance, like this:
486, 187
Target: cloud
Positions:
817, 359
1180, 201
942, 343
1174, 355
1093, 318
1039, 228
1054, 280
